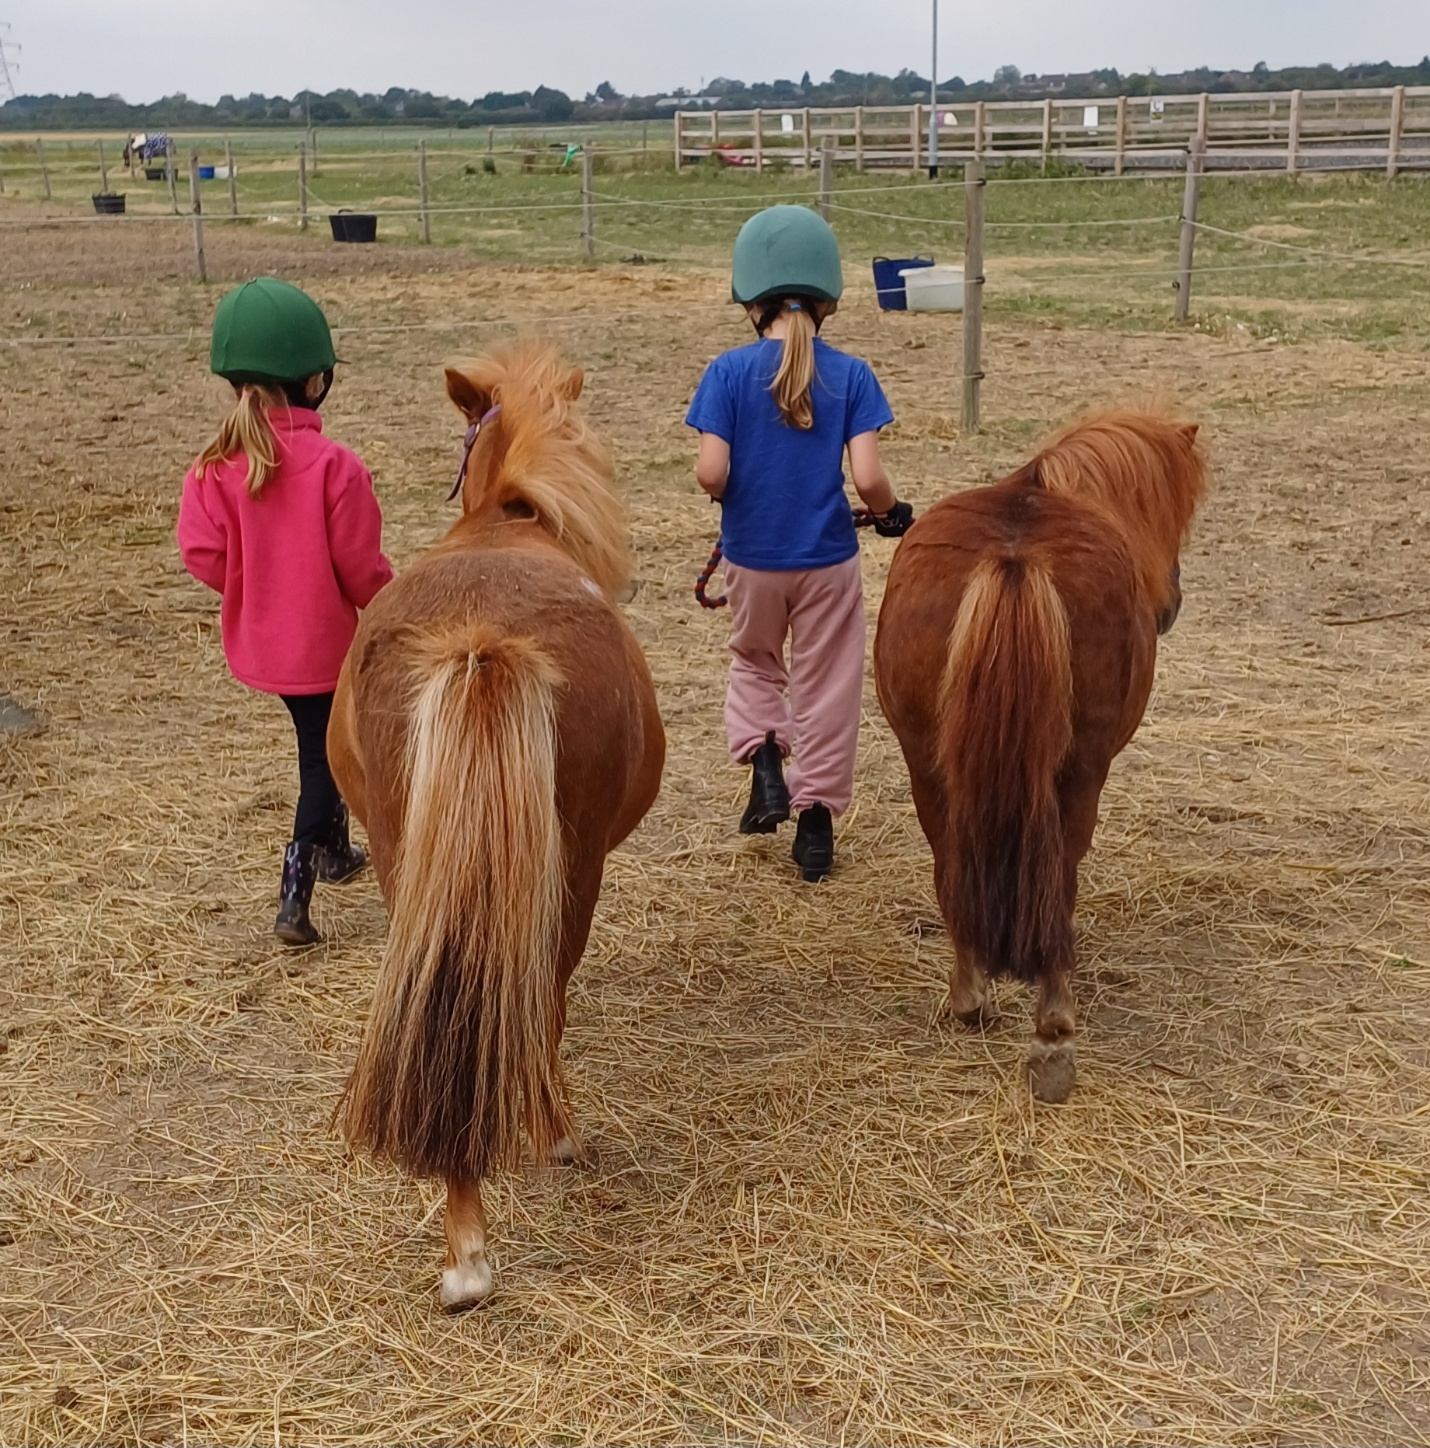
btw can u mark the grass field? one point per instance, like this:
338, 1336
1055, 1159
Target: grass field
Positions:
820, 1213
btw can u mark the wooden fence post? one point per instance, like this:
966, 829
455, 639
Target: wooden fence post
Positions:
645, 136
588, 206
171, 175
1293, 134
44, 168
974, 192
2, 178
1203, 118
1119, 156
978, 130
679, 149
808, 143
1047, 132
858, 138
302, 186
232, 177
1187, 247
826, 175
1397, 130
103, 171
198, 206
759, 141
915, 140
424, 211
313, 147
714, 130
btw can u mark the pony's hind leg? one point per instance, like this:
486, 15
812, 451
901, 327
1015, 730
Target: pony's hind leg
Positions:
1052, 1064
968, 989
467, 1277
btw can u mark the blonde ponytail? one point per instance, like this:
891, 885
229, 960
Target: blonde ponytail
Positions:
247, 430
794, 380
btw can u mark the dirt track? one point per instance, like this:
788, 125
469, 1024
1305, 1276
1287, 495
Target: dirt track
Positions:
819, 1214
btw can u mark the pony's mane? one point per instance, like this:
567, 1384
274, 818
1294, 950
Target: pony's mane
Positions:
1146, 468
553, 460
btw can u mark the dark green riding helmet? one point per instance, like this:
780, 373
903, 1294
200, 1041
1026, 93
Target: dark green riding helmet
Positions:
269, 331
786, 251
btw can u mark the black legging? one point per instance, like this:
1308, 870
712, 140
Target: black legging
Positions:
318, 797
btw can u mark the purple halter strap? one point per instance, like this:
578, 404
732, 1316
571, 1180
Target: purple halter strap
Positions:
474, 431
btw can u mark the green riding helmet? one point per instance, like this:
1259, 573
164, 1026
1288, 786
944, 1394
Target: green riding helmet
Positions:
786, 251
269, 331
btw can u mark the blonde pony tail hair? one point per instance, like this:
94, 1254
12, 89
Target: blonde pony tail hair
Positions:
247, 430
794, 380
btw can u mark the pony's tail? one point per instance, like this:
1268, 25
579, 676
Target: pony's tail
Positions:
460, 1059
1006, 707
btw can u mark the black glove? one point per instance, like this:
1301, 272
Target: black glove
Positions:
896, 522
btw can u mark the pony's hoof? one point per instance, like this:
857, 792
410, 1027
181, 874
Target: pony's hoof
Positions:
466, 1285
570, 1151
976, 1018
1052, 1070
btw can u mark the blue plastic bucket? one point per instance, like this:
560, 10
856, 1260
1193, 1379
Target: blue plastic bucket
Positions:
889, 285
206, 173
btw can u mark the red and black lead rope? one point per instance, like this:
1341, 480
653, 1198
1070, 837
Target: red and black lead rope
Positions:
863, 518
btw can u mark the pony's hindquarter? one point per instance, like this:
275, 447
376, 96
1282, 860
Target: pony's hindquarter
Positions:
459, 1068
1006, 704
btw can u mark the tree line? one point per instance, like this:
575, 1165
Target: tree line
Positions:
547, 105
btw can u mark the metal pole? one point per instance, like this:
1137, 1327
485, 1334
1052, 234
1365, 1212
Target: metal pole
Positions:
933, 100
588, 206
198, 215
974, 194
422, 193
1189, 228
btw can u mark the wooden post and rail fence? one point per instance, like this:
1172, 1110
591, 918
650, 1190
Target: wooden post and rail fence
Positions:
1382, 129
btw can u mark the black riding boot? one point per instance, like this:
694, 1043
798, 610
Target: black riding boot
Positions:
293, 927
814, 842
338, 858
769, 798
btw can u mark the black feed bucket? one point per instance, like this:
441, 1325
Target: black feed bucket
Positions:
353, 226
108, 203
154, 173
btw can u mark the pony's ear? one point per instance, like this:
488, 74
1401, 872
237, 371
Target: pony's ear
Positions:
1189, 433
470, 398
574, 383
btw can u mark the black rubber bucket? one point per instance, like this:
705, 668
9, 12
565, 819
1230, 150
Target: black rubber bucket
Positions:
154, 173
108, 203
358, 226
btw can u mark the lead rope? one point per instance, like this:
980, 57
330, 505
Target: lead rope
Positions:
863, 518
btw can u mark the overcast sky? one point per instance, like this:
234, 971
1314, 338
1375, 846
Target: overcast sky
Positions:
143, 49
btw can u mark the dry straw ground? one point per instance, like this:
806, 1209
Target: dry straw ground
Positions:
819, 1213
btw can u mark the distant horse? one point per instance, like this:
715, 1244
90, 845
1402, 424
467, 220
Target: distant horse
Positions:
1014, 658
496, 729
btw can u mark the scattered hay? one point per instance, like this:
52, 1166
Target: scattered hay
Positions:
819, 1213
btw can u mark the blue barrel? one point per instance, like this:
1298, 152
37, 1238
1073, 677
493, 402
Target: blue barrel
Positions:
889, 285
206, 173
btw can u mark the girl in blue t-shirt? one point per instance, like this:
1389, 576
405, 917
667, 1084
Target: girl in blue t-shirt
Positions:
775, 419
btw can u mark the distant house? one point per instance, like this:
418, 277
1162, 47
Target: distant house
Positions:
687, 103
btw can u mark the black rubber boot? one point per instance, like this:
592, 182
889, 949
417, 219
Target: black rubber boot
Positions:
814, 842
293, 927
769, 798
339, 859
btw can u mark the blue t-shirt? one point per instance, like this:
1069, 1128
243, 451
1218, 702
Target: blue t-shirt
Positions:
784, 504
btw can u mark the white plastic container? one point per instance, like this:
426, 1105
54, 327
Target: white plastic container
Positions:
933, 288
221, 173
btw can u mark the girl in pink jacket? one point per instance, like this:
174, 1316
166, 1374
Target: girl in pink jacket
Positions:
283, 523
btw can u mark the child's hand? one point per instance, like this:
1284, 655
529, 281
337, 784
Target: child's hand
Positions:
896, 522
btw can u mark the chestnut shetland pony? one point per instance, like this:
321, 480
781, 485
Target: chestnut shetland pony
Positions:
496, 729
1014, 658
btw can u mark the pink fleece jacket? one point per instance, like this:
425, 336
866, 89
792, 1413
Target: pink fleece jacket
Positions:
295, 564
